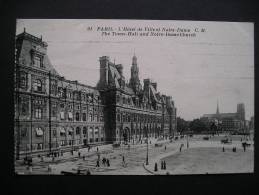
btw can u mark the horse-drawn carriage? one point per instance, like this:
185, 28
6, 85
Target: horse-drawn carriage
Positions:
226, 141
116, 145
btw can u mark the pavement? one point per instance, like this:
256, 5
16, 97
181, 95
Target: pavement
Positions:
135, 158
192, 144
72, 163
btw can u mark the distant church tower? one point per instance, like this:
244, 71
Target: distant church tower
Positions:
217, 112
241, 111
134, 79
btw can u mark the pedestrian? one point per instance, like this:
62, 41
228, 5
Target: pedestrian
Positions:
88, 148
79, 154
97, 163
181, 148
83, 157
30, 169
223, 149
49, 168
71, 152
165, 147
164, 165
155, 169
97, 149
108, 162
104, 161
123, 159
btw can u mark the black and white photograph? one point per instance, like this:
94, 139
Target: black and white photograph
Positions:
133, 97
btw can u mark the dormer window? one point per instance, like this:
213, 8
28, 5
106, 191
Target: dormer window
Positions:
37, 61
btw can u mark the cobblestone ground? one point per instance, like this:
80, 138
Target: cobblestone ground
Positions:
134, 159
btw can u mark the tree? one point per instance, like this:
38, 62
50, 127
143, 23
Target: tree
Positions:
182, 125
197, 126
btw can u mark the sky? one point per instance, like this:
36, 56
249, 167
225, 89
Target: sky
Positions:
215, 65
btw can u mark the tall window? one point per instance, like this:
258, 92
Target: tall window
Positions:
70, 116
84, 130
61, 92
77, 130
62, 131
37, 85
54, 109
62, 115
90, 117
70, 131
24, 107
38, 113
84, 116
38, 61
77, 116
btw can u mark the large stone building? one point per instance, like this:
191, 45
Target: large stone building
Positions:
53, 113
227, 121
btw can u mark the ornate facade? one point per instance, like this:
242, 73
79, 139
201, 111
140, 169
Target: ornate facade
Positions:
53, 113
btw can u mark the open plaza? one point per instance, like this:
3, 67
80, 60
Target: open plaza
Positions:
185, 155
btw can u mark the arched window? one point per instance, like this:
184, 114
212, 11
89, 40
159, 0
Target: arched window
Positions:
37, 85
84, 130
84, 116
90, 117
77, 130
118, 117
77, 116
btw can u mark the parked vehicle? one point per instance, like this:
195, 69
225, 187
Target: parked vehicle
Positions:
226, 141
116, 145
